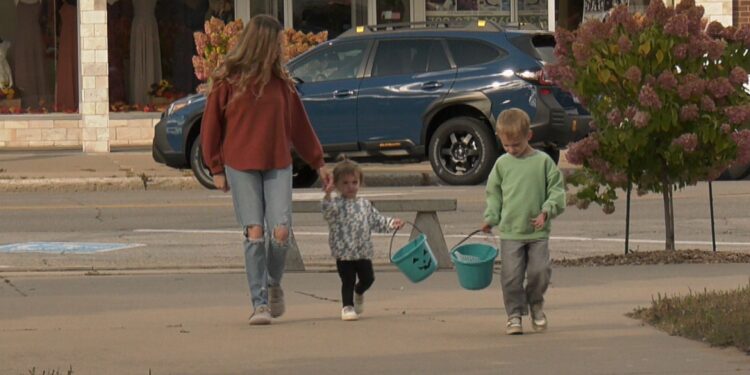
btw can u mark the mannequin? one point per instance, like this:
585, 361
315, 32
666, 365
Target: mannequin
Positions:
145, 52
6, 76
66, 88
28, 53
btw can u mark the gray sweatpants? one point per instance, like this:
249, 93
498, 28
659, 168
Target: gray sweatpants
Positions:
519, 259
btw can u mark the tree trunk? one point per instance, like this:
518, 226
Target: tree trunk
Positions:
668, 210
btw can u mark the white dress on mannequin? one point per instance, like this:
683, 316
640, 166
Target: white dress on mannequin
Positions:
145, 54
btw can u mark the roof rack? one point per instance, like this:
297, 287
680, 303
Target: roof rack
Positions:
478, 24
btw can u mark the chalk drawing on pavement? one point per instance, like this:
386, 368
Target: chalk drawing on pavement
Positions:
65, 247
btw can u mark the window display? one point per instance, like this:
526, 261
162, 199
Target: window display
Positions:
155, 65
335, 16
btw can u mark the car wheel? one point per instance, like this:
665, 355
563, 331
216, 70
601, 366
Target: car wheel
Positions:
201, 172
462, 151
303, 176
553, 153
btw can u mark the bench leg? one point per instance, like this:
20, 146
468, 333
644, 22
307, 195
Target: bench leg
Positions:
293, 257
429, 223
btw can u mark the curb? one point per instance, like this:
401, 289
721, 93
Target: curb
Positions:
76, 184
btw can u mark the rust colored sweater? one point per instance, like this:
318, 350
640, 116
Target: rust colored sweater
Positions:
257, 133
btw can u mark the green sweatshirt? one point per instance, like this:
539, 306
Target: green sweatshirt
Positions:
518, 190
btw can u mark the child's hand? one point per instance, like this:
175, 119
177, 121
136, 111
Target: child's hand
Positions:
486, 228
539, 221
397, 223
328, 189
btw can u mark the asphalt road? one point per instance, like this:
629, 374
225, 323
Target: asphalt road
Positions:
196, 228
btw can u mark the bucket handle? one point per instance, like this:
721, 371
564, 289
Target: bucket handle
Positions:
390, 247
471, 235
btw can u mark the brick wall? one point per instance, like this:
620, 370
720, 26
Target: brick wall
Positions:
741, 12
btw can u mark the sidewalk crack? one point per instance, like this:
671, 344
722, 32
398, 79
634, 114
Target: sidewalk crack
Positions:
10, 283
317, 297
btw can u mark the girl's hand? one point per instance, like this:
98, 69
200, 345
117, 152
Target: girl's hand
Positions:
325, 177
220, 181
539, 221
397, 223
486, 228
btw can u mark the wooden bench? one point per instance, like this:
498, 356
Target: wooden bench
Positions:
426, 219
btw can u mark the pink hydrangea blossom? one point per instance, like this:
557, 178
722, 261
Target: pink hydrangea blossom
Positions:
657, 12
641, 119
649, 98
742, 139
614, 116
677, 26
720, 87
680, 51
738, 76
688, 142
707, 104
633, 74
714, 29
726, 128
689, 112
715, 48
579, 152
727, 33
581, 53
667, 80
624, 44
737, 114
630, 112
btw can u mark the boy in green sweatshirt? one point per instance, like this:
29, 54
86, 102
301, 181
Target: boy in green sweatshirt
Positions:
524, 192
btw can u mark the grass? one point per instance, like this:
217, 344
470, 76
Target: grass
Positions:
719, 318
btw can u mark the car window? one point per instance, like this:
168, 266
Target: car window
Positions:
340, 61
395, 57
468, 52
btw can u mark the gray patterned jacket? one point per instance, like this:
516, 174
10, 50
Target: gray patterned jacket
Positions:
350, 222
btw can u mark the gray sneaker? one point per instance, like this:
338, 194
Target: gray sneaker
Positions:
261, 316
359, 303
538, 319
514, 326
276, 300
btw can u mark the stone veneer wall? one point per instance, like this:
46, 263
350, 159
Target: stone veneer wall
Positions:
95, 132
717, 10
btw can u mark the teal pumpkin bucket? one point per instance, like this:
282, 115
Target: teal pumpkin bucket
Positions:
415, 260
474, 264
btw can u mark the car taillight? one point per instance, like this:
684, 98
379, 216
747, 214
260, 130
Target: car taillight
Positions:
536, 77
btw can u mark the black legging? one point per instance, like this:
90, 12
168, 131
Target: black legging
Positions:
349, 271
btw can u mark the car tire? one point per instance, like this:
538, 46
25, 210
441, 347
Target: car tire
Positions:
462, 151
303, 176
200, 171
553, 153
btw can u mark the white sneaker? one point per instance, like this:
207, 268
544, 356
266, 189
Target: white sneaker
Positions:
348, 313
261, 316
514, 326
359, 303
538, 319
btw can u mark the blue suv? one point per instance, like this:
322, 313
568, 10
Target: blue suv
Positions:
410, 92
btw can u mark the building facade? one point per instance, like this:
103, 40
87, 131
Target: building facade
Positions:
95, 74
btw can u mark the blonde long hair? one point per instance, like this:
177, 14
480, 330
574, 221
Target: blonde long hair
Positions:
257, 56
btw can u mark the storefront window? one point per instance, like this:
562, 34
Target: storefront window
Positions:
151, 47
335, 16
271, 7
466, 10
529, 13
38, 56
393, 11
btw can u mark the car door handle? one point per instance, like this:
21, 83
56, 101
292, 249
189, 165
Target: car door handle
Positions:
343, 93
431, 85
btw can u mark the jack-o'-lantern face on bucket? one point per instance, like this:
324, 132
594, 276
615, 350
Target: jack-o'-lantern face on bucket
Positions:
422, 261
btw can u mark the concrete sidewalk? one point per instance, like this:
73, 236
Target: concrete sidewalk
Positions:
196, 323
129, 169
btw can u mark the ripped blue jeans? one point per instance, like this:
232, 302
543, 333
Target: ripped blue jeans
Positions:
264, 199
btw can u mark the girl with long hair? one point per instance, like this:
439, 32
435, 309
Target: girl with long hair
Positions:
253, 119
